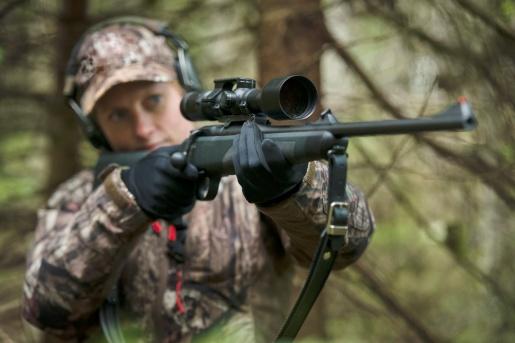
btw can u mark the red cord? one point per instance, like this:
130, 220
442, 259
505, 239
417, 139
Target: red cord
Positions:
156, 227
178, 300
172, 233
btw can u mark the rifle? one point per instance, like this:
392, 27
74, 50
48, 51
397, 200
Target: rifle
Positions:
235, 100
293, 98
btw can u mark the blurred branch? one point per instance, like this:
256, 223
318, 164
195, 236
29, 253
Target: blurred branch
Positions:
486, 19
501, 181
181, 15
397, 151
503, 297
377, 94
462, 52
357, 303
501, 184
368, 40
24, 95
375, 285
10, 6
383, 171
192, 7
220, 36
5, 337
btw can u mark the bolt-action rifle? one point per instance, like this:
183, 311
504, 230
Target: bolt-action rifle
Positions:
293, 98
288, 98
236, 100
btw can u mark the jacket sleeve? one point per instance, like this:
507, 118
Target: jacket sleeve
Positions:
303, 217
82, 239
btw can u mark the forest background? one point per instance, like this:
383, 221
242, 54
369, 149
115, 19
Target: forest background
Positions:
440, 265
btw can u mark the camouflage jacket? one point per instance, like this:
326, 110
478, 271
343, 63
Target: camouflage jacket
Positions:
233, 263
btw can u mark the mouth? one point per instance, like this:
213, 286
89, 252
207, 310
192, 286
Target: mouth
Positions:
153, 146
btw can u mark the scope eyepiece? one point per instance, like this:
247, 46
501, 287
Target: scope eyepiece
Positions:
286, 98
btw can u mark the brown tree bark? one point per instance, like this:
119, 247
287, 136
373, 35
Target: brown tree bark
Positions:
63, 147
290, 39
290, 42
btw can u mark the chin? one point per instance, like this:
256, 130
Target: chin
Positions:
155, 146
151, 147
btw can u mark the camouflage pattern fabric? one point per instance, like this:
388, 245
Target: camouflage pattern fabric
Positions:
233, 282
120, 53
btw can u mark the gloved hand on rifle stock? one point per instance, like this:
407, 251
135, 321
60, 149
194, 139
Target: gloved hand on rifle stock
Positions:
164, 191
160, 189
263, 172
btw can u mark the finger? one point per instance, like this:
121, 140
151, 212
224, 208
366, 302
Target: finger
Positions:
277, 164
256, 144
256, 159
190, 172
236, 154
243, 147
250, 171
178, 160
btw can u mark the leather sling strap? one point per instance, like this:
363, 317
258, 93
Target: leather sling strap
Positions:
333, 238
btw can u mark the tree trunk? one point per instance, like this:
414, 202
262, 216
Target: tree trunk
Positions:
63, 153
290, 39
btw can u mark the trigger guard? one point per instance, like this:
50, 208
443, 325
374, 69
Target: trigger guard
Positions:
208, 188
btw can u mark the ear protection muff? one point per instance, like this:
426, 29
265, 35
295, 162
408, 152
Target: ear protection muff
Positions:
184, 67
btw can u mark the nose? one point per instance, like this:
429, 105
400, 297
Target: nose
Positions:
144, 124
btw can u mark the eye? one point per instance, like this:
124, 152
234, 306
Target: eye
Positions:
118, 116
153, 101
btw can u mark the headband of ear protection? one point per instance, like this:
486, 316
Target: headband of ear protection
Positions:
186, 72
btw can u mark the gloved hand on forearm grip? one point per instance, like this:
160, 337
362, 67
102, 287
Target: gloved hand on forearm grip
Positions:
262, 170
160, 189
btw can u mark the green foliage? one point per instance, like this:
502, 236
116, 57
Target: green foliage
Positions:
20, 173
88, 154
456, 239
508, 152
508, 9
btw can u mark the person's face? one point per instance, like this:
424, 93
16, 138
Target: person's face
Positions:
142, 115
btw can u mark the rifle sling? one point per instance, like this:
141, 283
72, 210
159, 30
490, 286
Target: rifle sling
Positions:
333, 238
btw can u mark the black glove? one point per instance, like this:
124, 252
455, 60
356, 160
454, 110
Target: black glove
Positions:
160, 189
264, 174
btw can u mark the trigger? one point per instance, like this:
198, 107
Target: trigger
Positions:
208, 188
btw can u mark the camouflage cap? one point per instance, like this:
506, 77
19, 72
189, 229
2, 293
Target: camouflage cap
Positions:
119, 53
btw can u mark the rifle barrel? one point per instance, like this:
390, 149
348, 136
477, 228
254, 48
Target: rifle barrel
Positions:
457, 117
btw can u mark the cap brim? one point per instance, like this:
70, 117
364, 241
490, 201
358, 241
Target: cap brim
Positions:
101, 83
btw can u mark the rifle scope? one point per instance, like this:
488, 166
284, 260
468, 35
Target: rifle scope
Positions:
284, 98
